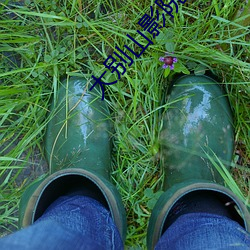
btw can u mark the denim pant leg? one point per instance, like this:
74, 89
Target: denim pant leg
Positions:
204, 231
76, 222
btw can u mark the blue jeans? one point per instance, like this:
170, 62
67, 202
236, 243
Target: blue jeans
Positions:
80, 222
204, 231
70, 223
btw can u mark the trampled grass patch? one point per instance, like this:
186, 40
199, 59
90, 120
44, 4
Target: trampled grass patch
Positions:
43, 42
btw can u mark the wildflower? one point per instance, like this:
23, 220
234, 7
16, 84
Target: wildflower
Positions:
168, 60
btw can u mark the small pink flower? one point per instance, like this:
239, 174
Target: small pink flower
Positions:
168, 61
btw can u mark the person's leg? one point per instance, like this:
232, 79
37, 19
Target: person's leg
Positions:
197, 136
204, 231
71, 222
78, 149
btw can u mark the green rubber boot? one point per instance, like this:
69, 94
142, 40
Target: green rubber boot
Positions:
78, 149
198, 122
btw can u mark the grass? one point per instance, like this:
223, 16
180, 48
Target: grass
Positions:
46, 41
